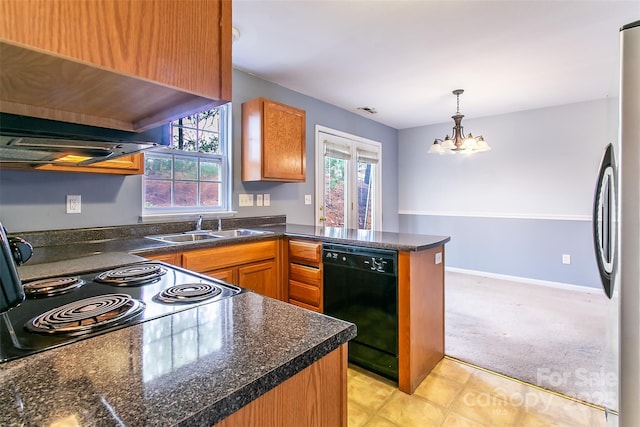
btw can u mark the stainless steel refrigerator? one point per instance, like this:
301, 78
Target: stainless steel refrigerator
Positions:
616, 223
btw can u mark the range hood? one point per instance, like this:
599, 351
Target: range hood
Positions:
41, 150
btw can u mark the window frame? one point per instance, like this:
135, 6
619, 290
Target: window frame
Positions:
226, 173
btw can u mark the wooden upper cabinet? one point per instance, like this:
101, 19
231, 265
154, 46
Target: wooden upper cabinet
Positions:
273, 142
120, 64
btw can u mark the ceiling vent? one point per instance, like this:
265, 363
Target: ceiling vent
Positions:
369, 110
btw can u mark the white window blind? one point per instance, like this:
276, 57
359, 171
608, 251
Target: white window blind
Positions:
366, 156
337, 150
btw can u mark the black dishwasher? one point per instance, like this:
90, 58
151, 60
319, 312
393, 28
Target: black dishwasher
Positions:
361, 286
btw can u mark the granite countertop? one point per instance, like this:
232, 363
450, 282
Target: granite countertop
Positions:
163, 372
373, 239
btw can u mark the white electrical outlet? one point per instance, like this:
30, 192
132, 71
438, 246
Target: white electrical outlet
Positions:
245, 200
74, 204
259, 200
267, 200
566, 259
307, 199
438, 258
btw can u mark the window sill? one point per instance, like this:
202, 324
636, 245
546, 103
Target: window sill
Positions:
184, 216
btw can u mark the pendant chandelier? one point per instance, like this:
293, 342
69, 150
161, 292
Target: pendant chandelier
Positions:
459, 143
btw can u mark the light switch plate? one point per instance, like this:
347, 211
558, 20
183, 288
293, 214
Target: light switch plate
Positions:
267, 200
307, 199
245, 200
259, 200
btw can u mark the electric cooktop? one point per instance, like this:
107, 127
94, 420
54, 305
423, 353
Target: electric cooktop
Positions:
63, 309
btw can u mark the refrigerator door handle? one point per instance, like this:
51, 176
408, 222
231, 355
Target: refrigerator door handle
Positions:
604, 220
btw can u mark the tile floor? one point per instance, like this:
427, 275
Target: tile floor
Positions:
457, 394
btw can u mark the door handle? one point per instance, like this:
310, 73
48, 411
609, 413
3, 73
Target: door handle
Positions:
605, 221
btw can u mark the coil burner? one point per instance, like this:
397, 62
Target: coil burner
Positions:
132, 275
87, 315
188, 293
52, 286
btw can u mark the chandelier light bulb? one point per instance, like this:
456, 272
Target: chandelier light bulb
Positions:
436, 148
448, 144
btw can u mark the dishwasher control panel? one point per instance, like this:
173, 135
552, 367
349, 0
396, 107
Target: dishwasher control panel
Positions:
361, 258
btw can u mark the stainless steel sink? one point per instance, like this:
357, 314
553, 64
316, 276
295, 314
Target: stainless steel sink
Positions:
184, 237
205, 235
238, 232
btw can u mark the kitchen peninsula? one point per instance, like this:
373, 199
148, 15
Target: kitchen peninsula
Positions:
251, 352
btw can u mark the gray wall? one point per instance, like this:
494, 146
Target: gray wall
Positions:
31, 201
516, 209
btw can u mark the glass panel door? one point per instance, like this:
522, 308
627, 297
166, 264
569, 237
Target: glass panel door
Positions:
366, 194
335, 202
348, 181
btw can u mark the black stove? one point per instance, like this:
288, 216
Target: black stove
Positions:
61, 310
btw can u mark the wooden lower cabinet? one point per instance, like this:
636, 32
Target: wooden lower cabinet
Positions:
315, 397
420, 315
248, 265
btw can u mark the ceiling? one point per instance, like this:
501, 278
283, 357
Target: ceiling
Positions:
404, 58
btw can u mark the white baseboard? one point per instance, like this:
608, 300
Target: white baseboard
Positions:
527, 280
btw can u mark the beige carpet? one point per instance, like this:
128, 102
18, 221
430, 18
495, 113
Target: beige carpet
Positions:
549, 337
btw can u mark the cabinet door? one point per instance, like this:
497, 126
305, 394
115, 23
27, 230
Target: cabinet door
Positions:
229, 275
273, 142
259, 277
284, 142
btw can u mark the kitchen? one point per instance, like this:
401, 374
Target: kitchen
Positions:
27, 200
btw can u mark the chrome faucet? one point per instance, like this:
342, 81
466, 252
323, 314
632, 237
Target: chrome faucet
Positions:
199, 223
219, 224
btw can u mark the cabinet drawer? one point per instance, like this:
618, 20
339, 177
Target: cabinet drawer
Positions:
225, 256
302, 273
305, 252
305, 293
303, 305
